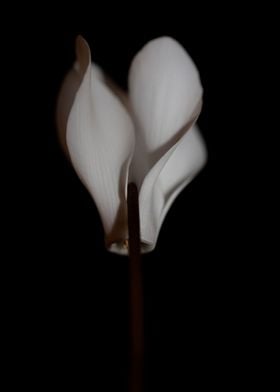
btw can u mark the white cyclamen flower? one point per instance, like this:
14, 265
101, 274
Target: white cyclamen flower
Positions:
148, 136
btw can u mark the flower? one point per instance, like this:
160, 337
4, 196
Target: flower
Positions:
148, 136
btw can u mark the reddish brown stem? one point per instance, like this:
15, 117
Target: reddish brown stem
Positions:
136, 293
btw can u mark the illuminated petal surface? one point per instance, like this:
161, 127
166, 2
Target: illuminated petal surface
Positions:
165, 93
100, 140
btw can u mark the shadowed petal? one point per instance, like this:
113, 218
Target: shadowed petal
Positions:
165, 181
100, 140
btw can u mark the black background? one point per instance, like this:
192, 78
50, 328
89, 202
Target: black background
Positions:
71, 301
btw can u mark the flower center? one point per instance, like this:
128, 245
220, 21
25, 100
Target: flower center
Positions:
125, 244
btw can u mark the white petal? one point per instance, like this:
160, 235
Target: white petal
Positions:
165, 92
100, 140
165, 181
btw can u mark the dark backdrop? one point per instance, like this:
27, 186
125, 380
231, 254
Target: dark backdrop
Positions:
72, 300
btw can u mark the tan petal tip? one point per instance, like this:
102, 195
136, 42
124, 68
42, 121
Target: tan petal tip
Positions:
83, 54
